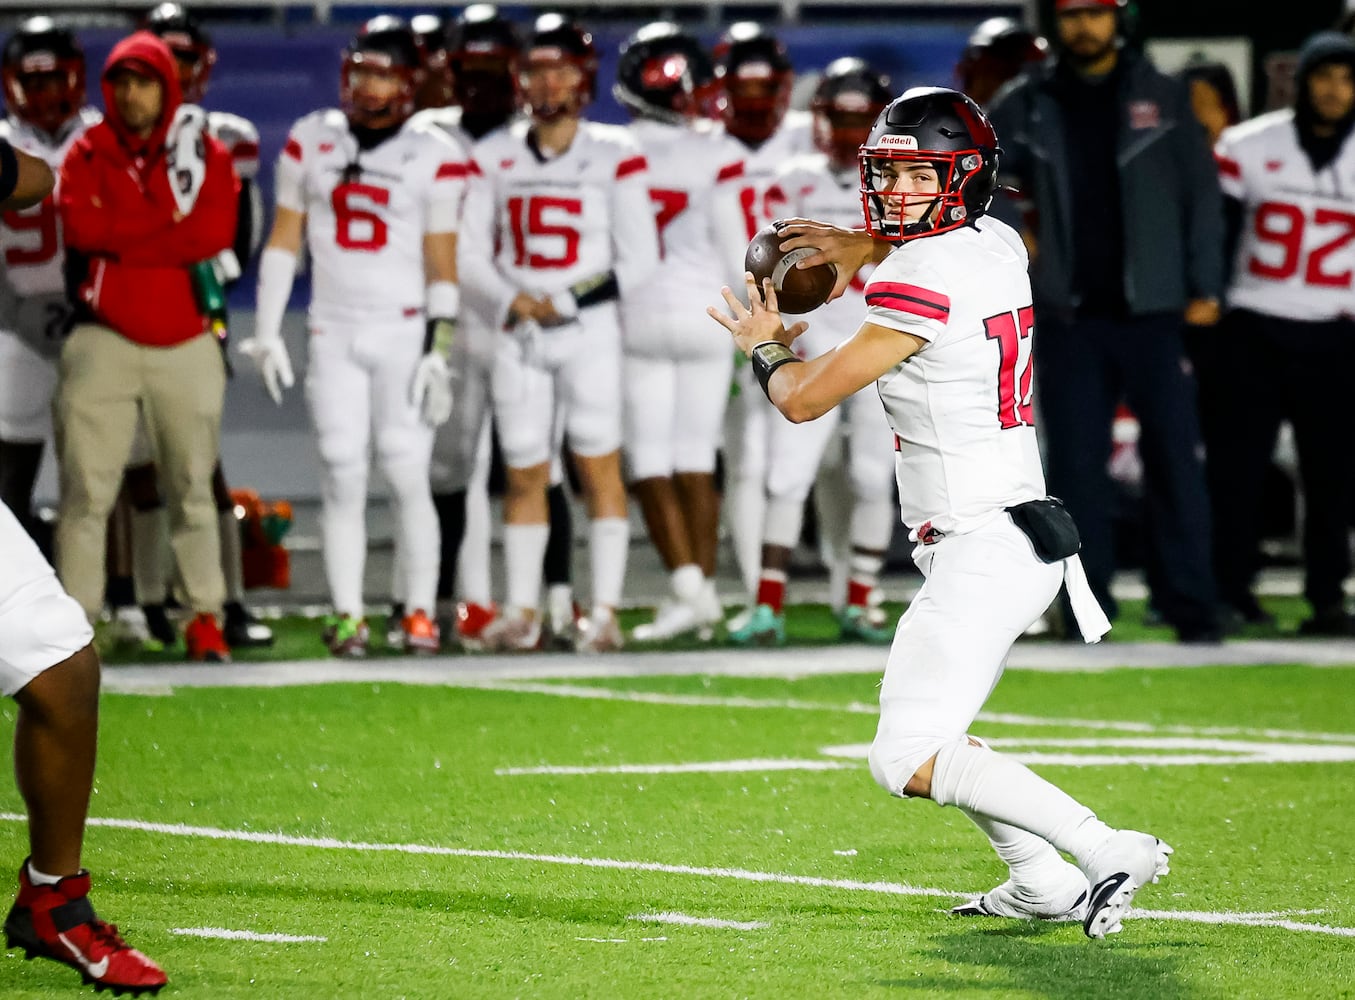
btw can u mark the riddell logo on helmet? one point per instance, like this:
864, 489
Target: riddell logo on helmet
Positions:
898, 141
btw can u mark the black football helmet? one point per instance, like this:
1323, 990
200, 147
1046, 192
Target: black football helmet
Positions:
385, 46
999, 49
556, 40
191, 45
43, 67
848, 99
756, 76
940, 127
662, 73
436, 89
482, 48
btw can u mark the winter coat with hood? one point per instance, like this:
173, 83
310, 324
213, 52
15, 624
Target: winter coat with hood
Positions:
129, 251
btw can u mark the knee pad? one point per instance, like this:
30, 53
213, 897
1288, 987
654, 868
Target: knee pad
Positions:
345, 485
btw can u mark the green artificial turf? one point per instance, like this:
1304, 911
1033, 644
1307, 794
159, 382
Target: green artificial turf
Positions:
538, 903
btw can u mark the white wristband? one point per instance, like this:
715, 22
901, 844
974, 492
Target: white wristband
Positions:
277, 268
443, 300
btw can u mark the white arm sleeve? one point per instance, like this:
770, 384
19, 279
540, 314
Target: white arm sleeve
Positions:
289, 179
635, 237
277, 268
483, 288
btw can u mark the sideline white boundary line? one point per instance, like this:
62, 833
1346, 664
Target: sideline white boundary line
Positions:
226, 934
669, 917
616, 864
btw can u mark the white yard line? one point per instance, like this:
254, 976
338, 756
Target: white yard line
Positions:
737, 874
669, 917
231, 935
600, 693
691, 767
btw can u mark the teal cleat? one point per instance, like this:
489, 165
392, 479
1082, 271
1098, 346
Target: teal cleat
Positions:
764, 628
868, 625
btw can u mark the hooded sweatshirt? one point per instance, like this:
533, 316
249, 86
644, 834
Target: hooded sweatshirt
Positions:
128, 251
1323, 47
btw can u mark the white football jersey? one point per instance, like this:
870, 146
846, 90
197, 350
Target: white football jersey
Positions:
687, 171
809, 188
760, 166
554, 221
31, 237
367, 212
1296, 254
960, 408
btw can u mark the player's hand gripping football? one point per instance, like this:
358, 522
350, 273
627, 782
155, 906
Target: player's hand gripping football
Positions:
269, 355
759, 321
847, 249
431, 390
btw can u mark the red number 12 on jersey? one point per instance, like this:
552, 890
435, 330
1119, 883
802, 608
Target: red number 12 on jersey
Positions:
1012, 335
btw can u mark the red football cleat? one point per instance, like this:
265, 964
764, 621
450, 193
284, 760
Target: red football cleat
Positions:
205, 640
421, 634
471, 621
58, 922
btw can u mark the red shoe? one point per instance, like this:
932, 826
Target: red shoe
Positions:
421, 634
471, 622
58, 922
205, 640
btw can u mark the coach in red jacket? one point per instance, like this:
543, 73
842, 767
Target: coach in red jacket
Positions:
144, 196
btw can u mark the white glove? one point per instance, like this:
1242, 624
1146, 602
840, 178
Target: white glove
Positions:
269, 355
431, 391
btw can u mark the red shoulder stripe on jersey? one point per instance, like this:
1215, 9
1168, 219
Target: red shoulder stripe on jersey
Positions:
631, 166
245, 150
729, 172
1228, 167
292, 149
452, 170
473, 169
908, 298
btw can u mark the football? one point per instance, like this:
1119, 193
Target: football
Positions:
797, 290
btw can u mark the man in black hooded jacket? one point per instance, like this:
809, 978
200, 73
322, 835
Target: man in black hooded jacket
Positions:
1288, 179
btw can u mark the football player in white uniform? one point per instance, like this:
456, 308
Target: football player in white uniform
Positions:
480, 47
564, 202
1288, 178
825, 185
378, 199
49, 667
756, 77
676, 374
195, 56
43, 69
946, 341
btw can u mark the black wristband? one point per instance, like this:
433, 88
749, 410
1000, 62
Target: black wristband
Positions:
767, 357
9, 169
595, 290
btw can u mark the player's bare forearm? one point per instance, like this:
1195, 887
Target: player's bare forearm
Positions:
809, 390
439, 257
33, 181
289, 226
846, 249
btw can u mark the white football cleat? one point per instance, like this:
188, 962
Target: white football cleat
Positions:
1120, 867
512, 633
1063, 897
673, 619
598, 633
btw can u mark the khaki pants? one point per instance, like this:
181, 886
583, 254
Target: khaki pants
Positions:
105, 381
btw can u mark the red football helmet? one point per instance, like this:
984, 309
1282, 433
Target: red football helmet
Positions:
848, 99
556, 41
191, 45
384, 48
756, 76
44, 74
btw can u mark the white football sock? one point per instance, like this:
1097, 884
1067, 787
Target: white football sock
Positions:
418, 534
782, 523
151, 555
609, 546
687, 582
41, 878
472, 565
524, 546
232, 559
343, 533
980, 780
1027, 856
